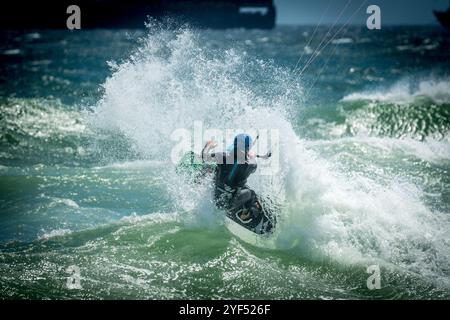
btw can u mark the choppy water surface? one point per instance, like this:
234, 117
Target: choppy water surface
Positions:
86, 177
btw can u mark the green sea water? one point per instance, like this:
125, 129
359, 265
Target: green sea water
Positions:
86, 177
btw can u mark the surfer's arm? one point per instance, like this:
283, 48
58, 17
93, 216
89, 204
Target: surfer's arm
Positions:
206, 155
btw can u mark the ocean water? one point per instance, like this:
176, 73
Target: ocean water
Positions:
87, 180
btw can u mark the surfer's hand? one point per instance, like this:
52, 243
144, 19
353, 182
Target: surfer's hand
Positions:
211, 144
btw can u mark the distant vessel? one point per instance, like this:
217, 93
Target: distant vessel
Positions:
216, 14
443, 17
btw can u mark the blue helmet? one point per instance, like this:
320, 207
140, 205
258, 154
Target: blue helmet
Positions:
242, 142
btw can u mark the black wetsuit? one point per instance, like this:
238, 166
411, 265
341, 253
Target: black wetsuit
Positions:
231, 178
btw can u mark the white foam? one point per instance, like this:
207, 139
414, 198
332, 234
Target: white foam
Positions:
358, 220
137, 164
403, 92
431, 150
64, 201
12, 52
53, 121
54, 233
342, 41
172, 81
156, 217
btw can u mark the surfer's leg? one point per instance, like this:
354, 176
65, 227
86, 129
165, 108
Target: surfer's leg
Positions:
254, 205
241, 198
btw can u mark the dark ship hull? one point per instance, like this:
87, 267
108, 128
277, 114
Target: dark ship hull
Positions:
134, 13
443, 17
